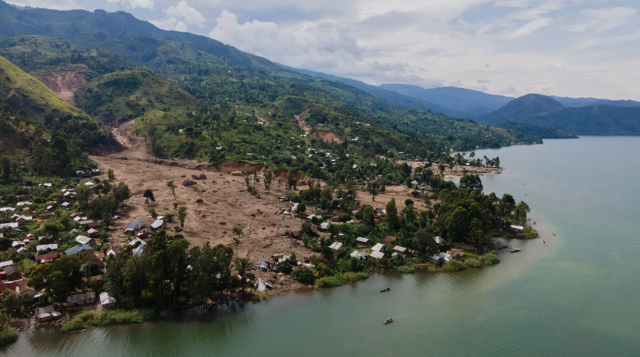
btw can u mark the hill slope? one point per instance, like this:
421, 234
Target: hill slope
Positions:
22, 92
592, 120
585, 102
530, 130
521, 108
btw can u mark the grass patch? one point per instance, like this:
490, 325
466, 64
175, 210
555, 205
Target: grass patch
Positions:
8, 335
405, 269
473, 263
490, 259
453, 265
106, 317
338, 280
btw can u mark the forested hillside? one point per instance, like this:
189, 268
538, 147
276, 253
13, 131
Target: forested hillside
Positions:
224, 103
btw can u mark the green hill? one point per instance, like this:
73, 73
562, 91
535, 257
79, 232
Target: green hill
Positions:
244, 106
529, 130
132, 93
592, 120
521, 108
22, 92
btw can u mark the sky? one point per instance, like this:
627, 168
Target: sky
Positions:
575, 48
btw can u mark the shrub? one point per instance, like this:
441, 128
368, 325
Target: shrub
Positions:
284, 267
106, 317
7, 335
328, 282
305, 276
79, 322
169, 217
453, 265
472, 262
344, 218
490, 259
406, 269
351, 277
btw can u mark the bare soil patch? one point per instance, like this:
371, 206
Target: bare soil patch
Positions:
64, 83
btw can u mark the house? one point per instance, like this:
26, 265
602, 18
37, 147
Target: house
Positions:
335, 245
84, 240
92, 232
5, 209
378, 248
362, 241
517, 229
138, 246
65, 204
107, 301
400, 249
80, 249
159, 223
81, 299
46, 314
85, 222
12, 273
44, 216
389, 239
134, 226
377, 255
263, 285
439, 240
6, 263
22, 219
46, 258
324, 226
436, 259
113, 250
263, 266
11, 225
359, 255
76, 214
46, 247
94, 225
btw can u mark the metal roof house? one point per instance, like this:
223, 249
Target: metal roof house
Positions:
47, 313
377, 255
107, 301
84, 240
378, 247
362, 240
400, 249
157, 224
81, 299
335, 245
77, 249
439, 240
134, 226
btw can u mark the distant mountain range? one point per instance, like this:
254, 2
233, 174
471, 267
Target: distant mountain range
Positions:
555, 117
543, 111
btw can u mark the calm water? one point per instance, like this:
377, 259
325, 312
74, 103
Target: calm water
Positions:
577, 295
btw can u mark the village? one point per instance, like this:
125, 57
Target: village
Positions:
295, 233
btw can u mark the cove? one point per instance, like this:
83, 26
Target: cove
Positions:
576, 295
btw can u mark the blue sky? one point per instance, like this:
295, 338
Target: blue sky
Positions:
572, 48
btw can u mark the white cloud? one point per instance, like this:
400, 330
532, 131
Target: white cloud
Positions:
604, 19
530, 27
133, 4
179, 16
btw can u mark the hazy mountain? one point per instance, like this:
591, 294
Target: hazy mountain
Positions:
382, 93
584, 102
521, 108
543, 111
470, 103
530, 130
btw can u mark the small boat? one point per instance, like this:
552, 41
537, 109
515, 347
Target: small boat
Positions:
385, 290
388, 321
554, 234
515, 250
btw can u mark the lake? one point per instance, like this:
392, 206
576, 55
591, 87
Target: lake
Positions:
576, 295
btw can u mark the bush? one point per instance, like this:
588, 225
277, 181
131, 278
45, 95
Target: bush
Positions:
490, 259
7, 335
106, 317
406, 269
169, 217
284, 267
530, 233
344, 218
473, 263
328, 282
305, 276
453, 265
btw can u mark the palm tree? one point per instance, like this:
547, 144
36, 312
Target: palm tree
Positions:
245, 269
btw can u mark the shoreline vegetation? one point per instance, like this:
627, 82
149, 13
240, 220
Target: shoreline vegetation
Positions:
88, 320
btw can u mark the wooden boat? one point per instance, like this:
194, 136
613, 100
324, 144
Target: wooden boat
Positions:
388, 321
385, 290
515, 250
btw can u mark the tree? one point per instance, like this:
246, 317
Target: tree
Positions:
393, 220
521, 212
182, 215
59, 278
477, 236
268, 178
424, 242
111, 175
172, 187
245, 269
122, 193
368, 218
441, 168
148, 195
5, 168
471, 182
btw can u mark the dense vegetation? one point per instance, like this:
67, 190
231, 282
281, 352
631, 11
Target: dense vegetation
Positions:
535, 131
522, 108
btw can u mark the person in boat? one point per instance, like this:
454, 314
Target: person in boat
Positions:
389, 321
543, 242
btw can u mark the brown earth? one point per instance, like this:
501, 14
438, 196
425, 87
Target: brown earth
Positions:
457, 170
64, 83
300, 119
226, 203
327, 137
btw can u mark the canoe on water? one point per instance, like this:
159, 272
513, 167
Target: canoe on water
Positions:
388, 321
385, 290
